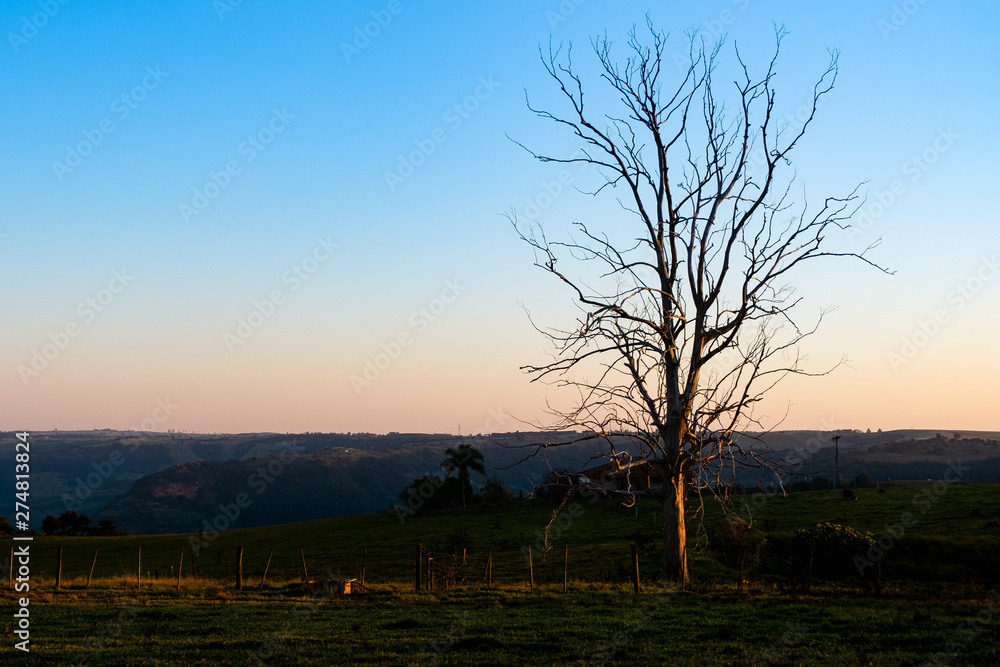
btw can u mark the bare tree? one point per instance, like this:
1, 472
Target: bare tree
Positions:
686, 319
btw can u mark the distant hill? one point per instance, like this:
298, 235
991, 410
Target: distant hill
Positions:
890, 455
87, 471
339, 481
156, 482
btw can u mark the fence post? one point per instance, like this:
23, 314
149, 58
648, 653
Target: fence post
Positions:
635, 566
59, 570
531, 572
430, 570
92, 566
305, 572
488, 573
10, 577
138, 574
239, 568
180, 568
266, 565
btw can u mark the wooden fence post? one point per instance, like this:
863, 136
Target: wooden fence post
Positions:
93, 564
266, 565
138, 574
418, 576
635, 566
180, 568
239, 568
305, 572
430, 570
10, 577
488, 573
531, 572
59, 570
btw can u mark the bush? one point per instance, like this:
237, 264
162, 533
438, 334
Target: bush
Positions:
493, 494
833, 549
430, 493
72, 524
739, 545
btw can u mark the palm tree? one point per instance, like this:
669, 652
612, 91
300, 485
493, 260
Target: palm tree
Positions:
463, 459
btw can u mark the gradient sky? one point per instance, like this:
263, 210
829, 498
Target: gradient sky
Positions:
209, 85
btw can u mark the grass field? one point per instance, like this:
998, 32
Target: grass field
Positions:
508, 627
938, 580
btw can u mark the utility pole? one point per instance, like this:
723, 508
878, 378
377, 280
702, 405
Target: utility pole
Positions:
836, 457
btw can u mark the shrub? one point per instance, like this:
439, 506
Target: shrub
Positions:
834, 547
739, 545
493, 494
430, 493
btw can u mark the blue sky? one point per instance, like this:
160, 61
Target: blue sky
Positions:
331, 113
